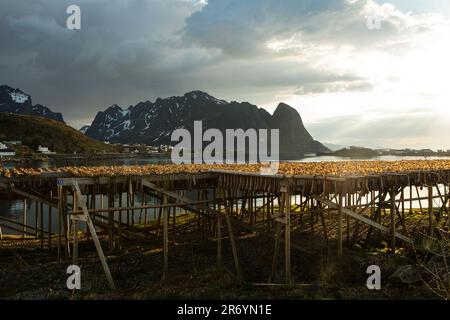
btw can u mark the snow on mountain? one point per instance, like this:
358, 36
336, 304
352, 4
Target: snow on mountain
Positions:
16, 101
153, 122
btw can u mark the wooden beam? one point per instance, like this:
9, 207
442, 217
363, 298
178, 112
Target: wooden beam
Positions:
215, 212
364, 219
98, 246
287, 237
340, 207
28, 195
165, 237
233, 242
392, 216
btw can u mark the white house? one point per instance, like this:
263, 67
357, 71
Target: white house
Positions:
5, 152
44, 150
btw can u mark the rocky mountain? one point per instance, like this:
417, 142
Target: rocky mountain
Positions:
84, 129
152, 123
16, 101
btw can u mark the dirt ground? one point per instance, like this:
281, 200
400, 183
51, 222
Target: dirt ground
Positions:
29, 272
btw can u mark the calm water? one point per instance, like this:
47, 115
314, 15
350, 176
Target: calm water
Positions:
14, 209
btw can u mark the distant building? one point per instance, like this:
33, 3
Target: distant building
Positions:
7, 153
44, 150
165, 148
14, 142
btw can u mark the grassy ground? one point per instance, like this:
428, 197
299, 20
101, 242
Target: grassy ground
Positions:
28, 272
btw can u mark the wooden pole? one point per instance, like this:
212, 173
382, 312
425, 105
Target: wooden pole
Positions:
430, 210
347, 217
393, 213
219, 240
49, 227
75, 232
41, 222
166, 237
277, 241
95, 238
36, 219
341, 205
232, 241
24, 217
119, 225
287, 237
110, 223
59, 221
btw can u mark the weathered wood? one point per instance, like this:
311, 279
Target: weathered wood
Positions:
219, 240
340, 216
392, 216
277, 242
24, 216
110, 224
287, 238
98, 246
365, 220
166, 237
232, 242
430, 210
59, 221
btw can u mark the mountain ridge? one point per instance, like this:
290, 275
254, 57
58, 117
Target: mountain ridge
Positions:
14, 100
153, 122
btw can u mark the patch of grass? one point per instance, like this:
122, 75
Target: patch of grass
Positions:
34, 131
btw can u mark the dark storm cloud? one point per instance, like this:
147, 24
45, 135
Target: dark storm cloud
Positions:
131, 50
125, 51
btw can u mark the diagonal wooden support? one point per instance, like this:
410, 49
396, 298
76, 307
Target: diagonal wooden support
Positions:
86, 217
233, 242
215, 213
363, 219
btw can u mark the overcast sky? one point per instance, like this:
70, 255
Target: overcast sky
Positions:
352, 84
